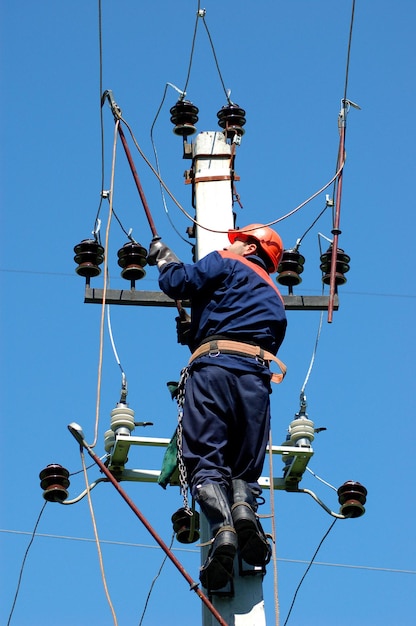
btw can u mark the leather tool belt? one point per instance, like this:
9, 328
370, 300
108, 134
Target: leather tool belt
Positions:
228, 346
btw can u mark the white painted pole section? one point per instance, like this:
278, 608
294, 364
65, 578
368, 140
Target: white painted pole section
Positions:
213, 192
214, 210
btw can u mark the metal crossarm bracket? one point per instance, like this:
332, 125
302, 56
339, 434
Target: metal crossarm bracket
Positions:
293, 471
131, 297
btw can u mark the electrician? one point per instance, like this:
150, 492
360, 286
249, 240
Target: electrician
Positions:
237, 325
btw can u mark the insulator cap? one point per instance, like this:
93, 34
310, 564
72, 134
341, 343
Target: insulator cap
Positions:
89, 254
352, 496
301, 428
232, 118
186, 526
184, 115
122, 419
290, 267
132, 257
342, 266
54, 481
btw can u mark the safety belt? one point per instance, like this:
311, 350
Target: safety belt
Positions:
228, 346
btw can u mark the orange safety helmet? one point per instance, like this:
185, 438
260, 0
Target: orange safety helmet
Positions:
268, 240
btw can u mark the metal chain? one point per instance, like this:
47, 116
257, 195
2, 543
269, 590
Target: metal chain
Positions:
183, 479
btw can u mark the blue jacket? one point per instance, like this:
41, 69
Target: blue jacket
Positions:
231, 296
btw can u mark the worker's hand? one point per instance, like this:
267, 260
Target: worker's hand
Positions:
183, 328
159, 254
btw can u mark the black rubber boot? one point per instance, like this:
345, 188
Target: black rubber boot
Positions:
217, 570
252, 542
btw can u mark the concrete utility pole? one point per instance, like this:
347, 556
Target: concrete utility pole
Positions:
212, 190
213, 197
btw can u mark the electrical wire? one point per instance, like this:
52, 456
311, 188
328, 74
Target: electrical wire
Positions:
113, 345
128, 544
215, 59
311, 364
154, 581
23, 563
100, 52
299, 241
192, 50
349, 49
105, 280
157, 160
201, 14
97, 540
307, 569
213, 230
346, 292
321, 479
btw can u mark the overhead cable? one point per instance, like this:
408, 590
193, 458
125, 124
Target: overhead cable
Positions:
154, 581
100, 52
307, 569
23, 563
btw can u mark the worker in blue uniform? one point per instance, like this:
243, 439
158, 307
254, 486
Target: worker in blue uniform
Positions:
237, 325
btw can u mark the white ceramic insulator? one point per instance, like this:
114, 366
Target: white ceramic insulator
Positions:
122, 417
301, 429
109, 440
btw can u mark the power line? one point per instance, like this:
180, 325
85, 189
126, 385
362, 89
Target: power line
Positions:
33, 535
127, 544
307, 569
344, 292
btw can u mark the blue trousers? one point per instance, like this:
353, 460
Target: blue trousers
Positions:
226, 420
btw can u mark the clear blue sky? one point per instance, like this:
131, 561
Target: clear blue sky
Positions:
285, 64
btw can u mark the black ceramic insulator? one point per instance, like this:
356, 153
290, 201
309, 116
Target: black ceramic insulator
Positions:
54, 481
290, 267
342, 266
132, 257
89, 254
185, 526
232, 118
184, 115
352, 496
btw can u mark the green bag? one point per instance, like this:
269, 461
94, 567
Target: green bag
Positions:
169, 473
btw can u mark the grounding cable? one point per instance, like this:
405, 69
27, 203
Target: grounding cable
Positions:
97, 540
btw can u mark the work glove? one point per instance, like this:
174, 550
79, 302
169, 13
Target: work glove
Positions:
183, 327
159, 254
